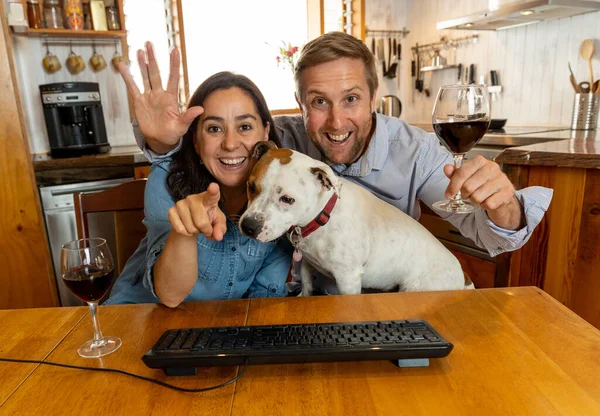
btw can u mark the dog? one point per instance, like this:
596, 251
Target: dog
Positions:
342, 230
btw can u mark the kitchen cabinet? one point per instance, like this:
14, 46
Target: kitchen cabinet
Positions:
563, 254
26, 280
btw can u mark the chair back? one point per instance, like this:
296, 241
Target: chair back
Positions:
126, 203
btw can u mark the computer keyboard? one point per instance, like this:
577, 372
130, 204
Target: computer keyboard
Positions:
178, 351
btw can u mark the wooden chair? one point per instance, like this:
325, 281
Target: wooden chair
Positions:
126, 202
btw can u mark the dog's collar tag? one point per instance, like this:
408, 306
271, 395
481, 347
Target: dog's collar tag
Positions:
297, 255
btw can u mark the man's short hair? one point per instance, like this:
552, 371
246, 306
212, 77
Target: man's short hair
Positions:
332, 46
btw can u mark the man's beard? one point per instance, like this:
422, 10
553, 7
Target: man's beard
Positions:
357, 149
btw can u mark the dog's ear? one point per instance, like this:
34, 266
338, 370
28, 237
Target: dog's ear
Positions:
261, 148
327, 179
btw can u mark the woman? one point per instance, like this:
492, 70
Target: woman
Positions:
194, 249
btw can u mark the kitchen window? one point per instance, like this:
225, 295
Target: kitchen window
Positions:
230, 35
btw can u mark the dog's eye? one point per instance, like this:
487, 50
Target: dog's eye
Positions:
287, 200
252, 187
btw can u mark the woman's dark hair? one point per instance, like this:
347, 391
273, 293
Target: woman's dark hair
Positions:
187, 174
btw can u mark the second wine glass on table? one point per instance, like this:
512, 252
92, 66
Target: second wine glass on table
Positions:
461, 116
87, 269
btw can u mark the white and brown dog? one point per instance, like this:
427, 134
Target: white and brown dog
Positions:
366, 242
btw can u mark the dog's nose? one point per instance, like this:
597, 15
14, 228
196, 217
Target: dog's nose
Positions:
251, 226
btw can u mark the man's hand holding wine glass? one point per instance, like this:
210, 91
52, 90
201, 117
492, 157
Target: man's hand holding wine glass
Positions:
482, 181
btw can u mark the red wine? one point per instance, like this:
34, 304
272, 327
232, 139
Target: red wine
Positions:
89, 283
460, 137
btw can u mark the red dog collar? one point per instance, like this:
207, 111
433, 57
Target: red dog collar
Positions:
319, 220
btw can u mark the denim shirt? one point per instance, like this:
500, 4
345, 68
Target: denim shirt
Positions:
233, 268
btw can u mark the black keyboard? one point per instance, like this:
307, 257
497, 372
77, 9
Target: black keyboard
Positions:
186, 349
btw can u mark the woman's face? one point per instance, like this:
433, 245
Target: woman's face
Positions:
226, 134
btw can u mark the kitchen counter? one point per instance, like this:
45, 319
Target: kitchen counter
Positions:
120, 162
117, 156
576, 153
525, 135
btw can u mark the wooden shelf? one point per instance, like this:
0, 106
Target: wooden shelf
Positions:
437, 68
67, 33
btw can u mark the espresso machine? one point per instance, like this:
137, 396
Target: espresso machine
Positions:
74, 119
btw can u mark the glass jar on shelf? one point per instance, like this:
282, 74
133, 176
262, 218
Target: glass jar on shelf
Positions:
34, 16
112, 18
53, 14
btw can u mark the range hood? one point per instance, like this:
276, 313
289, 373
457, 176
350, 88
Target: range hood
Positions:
520, 14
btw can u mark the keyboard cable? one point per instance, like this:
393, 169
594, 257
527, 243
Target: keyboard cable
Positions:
114, 370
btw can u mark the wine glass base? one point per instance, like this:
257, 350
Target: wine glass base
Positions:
463, 206
92, 349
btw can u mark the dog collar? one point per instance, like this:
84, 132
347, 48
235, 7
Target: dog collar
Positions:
319, 221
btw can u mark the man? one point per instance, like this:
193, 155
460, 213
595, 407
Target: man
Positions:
336, 86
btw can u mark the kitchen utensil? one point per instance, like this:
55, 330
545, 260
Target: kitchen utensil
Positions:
494, 80
391, 73
418, 82
51, 62
398, 58
586, 51
413, 72
75, 63
584, 87
380, 55
472, 74
390, 105
572, 79
389, 70
373, 46
596, 87
585, 111
460, 70
97, 61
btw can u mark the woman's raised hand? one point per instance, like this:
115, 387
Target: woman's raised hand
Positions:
200, 214
157, 110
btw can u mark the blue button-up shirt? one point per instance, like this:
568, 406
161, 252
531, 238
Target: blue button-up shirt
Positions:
232, 268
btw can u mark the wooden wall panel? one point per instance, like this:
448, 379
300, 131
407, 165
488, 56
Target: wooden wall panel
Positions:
585, 298
26, 279
564, 222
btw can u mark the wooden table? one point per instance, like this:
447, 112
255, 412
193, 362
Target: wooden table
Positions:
516, 351
30, 334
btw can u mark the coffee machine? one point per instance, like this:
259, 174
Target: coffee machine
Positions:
74, 119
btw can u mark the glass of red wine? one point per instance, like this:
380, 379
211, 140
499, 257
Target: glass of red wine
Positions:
461, 116
87, 269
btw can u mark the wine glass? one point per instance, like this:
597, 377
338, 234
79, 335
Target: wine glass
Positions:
87, 269
461, 116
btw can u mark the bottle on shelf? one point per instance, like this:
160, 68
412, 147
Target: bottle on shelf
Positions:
34, 16
73, 14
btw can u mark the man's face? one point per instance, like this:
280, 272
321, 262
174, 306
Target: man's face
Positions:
337, 108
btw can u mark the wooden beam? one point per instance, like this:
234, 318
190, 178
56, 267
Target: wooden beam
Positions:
27, 279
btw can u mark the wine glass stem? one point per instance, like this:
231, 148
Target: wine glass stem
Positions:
98, 339
458, 159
